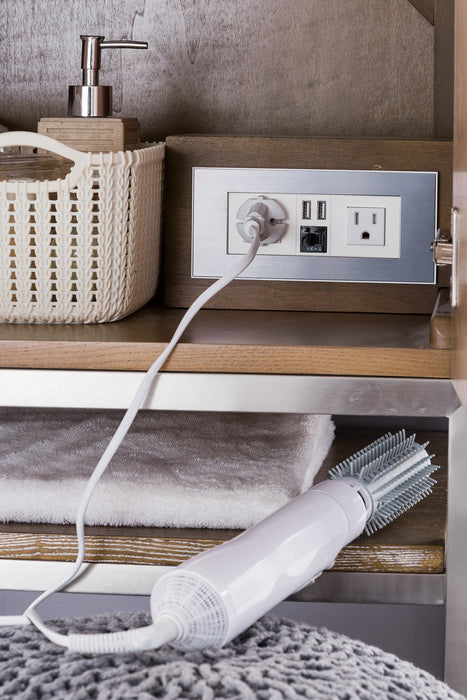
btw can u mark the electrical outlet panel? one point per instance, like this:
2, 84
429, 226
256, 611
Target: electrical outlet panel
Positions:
331, 225
325, 225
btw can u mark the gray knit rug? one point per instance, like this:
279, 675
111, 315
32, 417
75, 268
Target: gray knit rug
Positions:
273, 660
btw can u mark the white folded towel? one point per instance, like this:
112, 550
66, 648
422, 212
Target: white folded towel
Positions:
174, 469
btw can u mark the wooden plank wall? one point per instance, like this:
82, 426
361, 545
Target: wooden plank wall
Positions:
300, 68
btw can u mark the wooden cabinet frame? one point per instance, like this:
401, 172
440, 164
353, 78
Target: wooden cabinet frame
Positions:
440, 13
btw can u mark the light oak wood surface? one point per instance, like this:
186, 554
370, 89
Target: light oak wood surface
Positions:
264, 342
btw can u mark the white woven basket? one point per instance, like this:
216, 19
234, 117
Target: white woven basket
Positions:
83, 249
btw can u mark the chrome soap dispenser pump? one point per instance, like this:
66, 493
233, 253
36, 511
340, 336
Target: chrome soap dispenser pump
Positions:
91, 99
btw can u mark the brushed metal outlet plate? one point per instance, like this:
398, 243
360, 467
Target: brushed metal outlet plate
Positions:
418, 216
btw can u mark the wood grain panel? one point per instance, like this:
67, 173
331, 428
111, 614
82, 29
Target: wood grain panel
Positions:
414, 543
423, 559
355, 68
171, 552
359, 362
185, 152
235, 341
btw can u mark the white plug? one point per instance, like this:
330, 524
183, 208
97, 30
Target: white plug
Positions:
267, 213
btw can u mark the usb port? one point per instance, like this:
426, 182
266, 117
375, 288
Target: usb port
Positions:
306, 209
321, 210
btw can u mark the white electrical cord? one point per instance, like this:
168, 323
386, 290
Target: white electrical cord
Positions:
135, 639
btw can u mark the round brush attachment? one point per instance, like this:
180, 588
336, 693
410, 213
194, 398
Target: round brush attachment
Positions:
395, 471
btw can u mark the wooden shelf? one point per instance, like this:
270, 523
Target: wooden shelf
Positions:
255, 342
260, 342
414, 543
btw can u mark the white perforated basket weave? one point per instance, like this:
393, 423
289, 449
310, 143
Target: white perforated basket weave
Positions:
83, 249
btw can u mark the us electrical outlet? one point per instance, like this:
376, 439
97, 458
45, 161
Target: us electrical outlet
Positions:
325, 225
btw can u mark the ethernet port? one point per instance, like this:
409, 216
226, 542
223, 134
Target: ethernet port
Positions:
313, 239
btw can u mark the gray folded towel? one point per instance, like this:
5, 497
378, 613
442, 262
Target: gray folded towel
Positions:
174, 469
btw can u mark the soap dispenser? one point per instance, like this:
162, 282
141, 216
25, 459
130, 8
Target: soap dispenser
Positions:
90, 125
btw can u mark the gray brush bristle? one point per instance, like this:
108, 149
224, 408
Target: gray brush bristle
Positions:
395, 470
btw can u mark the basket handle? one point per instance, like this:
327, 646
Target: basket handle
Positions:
30, 138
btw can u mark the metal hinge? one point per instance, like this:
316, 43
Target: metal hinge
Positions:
442, 247
445, 252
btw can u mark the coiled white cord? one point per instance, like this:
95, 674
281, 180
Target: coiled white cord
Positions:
139, 639
135, 639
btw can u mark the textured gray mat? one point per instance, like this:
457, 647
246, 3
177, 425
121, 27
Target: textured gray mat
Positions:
274, 659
